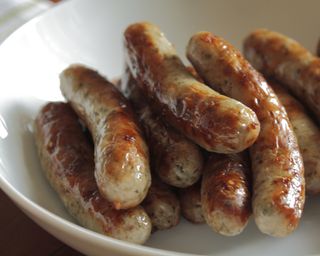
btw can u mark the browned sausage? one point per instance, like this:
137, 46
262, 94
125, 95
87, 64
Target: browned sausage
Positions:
318, 49
121, 155
162, 205
278, 173
225, 193
286, 60
193, 72
308, 135
190, 201
211, 120
67, 158
176, 160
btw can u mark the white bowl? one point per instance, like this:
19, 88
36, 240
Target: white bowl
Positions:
91, 32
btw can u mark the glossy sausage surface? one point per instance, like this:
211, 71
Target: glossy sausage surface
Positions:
176, 160
308, 135
286, 60
225, 193
213, 121
277, 166
67, 159
121, 155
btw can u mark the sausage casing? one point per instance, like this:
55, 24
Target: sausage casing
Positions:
277, 166
190, 201
67, 158
176, 160
162, 205
121, 155
286, 60
225, 193
308, 135
213, 121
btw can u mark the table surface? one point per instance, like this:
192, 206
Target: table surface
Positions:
19, 235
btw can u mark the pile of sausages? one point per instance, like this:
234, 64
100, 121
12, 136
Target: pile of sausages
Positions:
215, 142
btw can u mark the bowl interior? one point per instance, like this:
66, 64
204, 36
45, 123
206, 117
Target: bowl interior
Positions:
90, 32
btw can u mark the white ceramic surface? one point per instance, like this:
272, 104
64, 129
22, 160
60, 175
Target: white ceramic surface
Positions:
90, 32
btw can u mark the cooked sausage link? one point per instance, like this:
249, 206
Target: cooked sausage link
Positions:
213, 121
176, 160
225, 193
190, 201
67, 159
278, 173
193, 72
121, 155
162, 205
308, 135
318, 49
286, 60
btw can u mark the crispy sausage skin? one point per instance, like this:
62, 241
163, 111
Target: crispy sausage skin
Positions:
121, 155
286, 60
190, 201
162, 205
176, 160
308, 135
213, 121
277, 166
225, 193
67, 158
